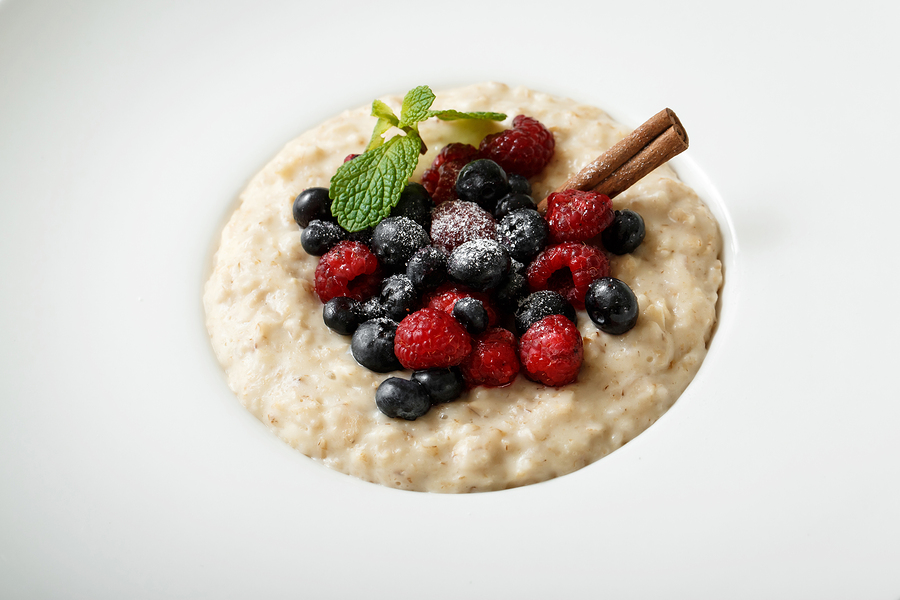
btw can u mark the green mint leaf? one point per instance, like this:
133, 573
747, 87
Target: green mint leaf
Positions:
453, 115
365, 189
380, 128
383, 111
415, 106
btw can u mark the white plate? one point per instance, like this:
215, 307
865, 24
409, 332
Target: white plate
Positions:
129, 469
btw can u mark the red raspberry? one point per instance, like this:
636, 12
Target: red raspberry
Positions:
431, 339
445, 296
349, 269
552, 351
494, 360
455, 223
440, 178
350, 157
568, 268
525, 149
576, 216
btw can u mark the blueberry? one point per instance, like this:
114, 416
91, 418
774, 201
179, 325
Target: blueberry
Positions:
480, 264
427, 268
416, 204
471, 313
443, 385
321, 236
364, 236
398, 297
513, 289
482, 181
402, 398
343, 315
311, 204
372, 309
625, 233
373, 345
611, 305
513, 202
523, 233
396, 239
519, 184
540, 305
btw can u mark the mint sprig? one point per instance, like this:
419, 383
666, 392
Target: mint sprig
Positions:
365, 189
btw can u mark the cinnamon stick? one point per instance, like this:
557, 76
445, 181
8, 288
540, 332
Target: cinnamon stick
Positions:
652, 144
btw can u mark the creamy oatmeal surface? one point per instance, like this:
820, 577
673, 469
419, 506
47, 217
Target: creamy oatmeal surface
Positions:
298, 377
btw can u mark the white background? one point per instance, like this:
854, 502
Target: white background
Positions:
129, 470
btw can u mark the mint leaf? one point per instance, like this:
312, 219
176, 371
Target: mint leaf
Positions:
415, 106
453, 115
383, 111
380, 128
365, 189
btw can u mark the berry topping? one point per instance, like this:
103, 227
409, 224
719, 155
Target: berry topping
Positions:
321, 236
343, 315
471, 314
611, 305
443, 385
402, 398
428, 267
398, 297
540, 305
513, 289
493, 361
552, 351
396, 239
446, 296
431, 339
482, 181
454, 223
523, 233
625, 233
373, 345
519, 184
525, 149
350, 157
364, 236
569, 269
311, 204
577, 216
415, 204
480, 264
349, 269
440, 178
513, 202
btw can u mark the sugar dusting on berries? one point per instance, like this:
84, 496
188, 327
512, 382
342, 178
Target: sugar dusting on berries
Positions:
455, 223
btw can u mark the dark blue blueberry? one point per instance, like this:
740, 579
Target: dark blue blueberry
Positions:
443, 385
471, 313
519, 184
523, 233
364, 236
611, 305
513, 289
321, 236
482, 181
398, 297
396, 239
625, 233
480, 264
427, 268
343, 315
416, 204
373, 345
372, 309
540, 305
402, 398
513, 202
312, 204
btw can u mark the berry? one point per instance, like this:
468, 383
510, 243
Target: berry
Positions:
611, 305
396, 239
513, 289
482, 181
552, 351
480, 264
454, 223
440, 178
519, 184
373, 345
342, 314
447, 295
372, 309
512, 202
569, 269
577, 216
443, 385
350, 157
541, 305
320, 237
493, 361
364, 236
523, 233
415, 204
312, 203
349, 269
431, 339
398, 297
401, 398
525, 149
428, 267
471, 314
625, 233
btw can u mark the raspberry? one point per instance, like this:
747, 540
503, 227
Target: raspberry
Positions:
577, 216
569, 269
525, 149
494, 360
455, 223
431, 339
349, 269
552, 351
350, 157
440, 178
445, 296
